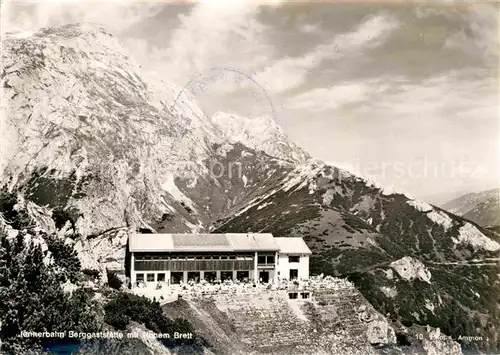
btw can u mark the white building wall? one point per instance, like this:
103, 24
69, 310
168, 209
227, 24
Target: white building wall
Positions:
304, 267
132, 270
284, 266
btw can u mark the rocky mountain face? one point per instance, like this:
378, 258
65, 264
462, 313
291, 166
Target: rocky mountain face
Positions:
482, 208
83, 130
94, 149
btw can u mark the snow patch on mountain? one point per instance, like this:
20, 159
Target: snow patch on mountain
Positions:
20, 34
385, 190
440, 218
436, 216
328, 197
195, 228
169, 186
429, 305
420, 205
224, 149
409, 269
469, 234
255, 201
264, 205
304, 175
246, 154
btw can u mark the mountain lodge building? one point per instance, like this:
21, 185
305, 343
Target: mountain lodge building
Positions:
172, 258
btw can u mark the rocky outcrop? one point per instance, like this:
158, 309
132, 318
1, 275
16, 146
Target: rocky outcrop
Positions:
436, 343
410, 269
105, 252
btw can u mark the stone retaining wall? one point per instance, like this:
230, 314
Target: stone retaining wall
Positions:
268, 320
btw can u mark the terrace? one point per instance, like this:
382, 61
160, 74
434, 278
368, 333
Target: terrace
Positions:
165, 294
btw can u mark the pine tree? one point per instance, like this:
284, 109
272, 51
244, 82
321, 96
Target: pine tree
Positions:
32, 297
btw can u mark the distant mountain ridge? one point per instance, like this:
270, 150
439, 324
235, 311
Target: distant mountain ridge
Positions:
439, 199
482, 207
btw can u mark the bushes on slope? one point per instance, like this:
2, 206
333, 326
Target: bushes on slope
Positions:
123, 308
32, 299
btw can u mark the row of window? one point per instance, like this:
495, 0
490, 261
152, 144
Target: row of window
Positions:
194, 257
150, 277
269, 259
261, 259
176, 277
195, 275
265, 259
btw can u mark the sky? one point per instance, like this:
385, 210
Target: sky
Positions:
407, 94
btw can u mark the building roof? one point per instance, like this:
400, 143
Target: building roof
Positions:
157, 242
292, 245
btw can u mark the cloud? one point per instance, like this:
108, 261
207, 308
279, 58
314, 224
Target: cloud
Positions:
288, 73
309, 28
448, 96
323, 99
454, 94
450, 121
214, 34
478, 34
211, 53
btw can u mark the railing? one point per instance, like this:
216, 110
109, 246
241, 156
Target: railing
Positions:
266, 264
193, 265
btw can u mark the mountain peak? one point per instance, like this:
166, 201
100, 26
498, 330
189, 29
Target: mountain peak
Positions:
260, 133
83, 29
76, 30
